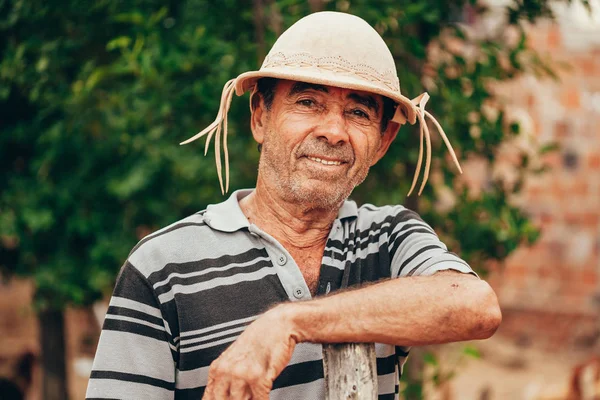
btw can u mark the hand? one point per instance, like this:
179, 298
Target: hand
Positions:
247, 369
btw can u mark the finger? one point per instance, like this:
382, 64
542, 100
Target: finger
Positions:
207, 394
218, 383
239, 390
209, 390
220, 389
260, 391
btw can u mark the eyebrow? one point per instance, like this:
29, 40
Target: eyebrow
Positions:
367, 101
300, 87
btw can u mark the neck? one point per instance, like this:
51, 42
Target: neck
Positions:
292, 224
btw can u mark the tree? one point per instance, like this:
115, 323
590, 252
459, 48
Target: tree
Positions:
95, 97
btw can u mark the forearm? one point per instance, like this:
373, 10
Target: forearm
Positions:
446, 307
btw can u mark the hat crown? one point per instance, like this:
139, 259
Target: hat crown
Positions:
337, 42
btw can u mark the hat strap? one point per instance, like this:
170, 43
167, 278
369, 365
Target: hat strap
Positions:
219, 125
420, 101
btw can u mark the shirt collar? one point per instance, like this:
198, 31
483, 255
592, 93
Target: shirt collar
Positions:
348, 210
228, 216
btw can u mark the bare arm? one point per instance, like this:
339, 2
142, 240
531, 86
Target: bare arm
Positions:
445, 307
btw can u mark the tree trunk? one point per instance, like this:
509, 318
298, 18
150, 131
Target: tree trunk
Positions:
412, 201
52, 338
316, 5
259, 30
350, 371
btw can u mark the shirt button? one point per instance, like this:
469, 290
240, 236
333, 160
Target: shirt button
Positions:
298, 292
282, 259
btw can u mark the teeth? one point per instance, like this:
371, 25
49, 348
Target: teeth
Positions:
325, 162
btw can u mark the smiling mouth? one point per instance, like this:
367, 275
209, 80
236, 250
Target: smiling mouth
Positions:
324, 162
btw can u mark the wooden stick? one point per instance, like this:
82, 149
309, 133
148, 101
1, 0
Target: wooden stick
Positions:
350, 371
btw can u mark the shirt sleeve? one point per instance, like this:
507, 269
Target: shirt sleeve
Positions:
415, 249
135, 354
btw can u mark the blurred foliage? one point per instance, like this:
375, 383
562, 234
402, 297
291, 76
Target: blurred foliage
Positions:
96, 96
437, 370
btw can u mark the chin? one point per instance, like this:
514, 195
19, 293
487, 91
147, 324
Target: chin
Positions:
323, 195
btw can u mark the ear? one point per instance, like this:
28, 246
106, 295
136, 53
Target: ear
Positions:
258, 117
386, 140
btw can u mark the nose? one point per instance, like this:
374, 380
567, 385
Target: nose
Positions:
333, 128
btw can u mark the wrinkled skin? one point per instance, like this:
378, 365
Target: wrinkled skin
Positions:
338, 126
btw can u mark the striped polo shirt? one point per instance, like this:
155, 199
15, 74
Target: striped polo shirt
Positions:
188, 291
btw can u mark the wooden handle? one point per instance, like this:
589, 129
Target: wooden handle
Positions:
350, 371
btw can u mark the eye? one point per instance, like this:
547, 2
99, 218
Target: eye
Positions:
360, 113
306, 102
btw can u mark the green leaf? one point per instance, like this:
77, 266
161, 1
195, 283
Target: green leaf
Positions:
118, 43
549, 148
430, 359
38, 220
471, 351
134, 17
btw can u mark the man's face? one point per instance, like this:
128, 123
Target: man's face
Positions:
318, 142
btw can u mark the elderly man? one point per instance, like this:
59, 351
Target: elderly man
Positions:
234, 301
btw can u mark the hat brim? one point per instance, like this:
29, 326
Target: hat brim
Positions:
247, 80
